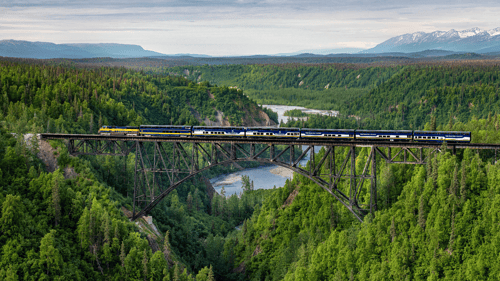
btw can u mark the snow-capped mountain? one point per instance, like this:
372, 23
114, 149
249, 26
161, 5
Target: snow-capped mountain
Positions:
470, 40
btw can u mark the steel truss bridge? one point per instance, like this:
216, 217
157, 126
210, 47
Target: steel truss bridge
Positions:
162, 164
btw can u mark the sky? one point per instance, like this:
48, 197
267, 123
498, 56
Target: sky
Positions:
238, 27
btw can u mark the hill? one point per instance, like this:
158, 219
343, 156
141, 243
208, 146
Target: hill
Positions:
45, 50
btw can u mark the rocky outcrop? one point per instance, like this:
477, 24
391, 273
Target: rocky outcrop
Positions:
48, 155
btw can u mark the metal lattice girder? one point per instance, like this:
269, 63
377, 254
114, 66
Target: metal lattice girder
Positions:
186, 161
162, 164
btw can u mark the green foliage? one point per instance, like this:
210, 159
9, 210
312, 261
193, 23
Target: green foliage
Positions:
295, 113
323, 86
72, 228
434, 222
381, 97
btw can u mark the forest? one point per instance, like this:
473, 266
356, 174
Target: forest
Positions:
395, 96
57, 226
434, 221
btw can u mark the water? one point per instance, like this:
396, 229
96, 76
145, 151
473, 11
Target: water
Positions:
264, 177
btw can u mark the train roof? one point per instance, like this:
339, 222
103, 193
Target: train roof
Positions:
113, 126
442, 132
273, 128
384, 131
329, 130
166, 126
218, 127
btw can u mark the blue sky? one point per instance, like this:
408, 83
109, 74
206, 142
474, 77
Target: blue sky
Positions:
238, 27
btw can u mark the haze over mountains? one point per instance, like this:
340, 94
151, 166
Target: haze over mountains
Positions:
442, 43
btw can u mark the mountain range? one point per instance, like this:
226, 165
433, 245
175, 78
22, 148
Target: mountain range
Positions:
45, 50
471, 40
418, 44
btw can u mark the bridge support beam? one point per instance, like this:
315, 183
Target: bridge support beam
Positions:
162, 164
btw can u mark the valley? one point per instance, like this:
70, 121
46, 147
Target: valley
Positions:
436, 220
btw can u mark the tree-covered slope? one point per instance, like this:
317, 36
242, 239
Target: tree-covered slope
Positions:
320, 86
450, 91
71, 227
399, 96
434, 221
80, 100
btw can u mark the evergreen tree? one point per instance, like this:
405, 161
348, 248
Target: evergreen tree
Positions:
210, 276
463, 185
122, 255
189, 202
452, 234
50, 258
145, 265
56, 201
166, 246
393, 230
454, 183
421, 212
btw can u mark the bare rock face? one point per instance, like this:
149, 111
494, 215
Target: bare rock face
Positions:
49, 155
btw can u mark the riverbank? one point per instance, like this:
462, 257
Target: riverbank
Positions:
283, 172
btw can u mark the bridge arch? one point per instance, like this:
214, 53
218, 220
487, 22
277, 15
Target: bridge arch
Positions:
149, 191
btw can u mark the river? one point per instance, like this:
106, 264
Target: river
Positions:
266, 177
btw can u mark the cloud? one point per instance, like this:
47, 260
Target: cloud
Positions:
232, 27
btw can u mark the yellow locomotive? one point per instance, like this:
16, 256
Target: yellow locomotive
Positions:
119, 131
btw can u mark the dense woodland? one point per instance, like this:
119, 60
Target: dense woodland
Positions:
395, 96
436, 221
53, 227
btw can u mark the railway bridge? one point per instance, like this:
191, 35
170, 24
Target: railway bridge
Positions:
163, 163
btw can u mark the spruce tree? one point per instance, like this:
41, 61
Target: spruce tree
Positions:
122, 255
454, 183
189, 202
421, 212
211, 274
452, 234
145, 265
56, 201
393, 230
166, 246
463, 185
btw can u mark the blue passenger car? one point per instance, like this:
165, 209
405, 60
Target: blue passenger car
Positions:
337, 134
165, 131
441, 136
270, 132
402, 135
214, 131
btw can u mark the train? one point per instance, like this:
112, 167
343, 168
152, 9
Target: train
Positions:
287, 133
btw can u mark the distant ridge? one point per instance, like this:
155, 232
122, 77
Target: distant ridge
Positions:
45, 50
324, 52
470, 40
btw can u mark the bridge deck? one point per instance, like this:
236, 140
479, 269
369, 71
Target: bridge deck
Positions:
276, 141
